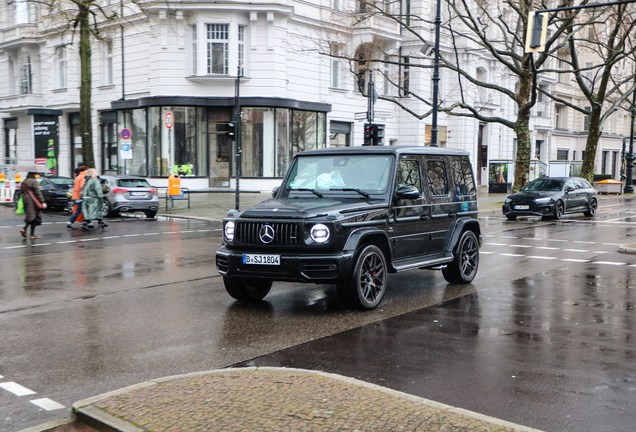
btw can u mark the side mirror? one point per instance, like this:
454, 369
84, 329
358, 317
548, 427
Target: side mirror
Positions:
408, 192
275, 191
569, 188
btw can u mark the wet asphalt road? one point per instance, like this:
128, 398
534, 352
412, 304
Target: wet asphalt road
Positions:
542, 337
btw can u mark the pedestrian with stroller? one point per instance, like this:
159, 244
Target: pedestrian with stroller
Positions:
32, 214
92, 200
76, 198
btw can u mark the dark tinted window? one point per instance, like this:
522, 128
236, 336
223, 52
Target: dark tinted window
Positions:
133, 183
437, 181
544, 185
409, 174
61, 181
463, 177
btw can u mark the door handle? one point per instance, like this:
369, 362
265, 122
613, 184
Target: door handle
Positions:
424, 217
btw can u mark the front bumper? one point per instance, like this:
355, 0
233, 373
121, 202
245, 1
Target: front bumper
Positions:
534, 209
330, 268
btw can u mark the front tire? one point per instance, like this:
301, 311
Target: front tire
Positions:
107, 210
464, 267
591, 210
250, 290
366, 287
559, 210
511, 217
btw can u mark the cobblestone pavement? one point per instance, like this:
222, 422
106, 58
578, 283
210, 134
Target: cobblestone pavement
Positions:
274, 399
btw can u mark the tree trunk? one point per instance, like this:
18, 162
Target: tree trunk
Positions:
522, 164
594, 134
86, 129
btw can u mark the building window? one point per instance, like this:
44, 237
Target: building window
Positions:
218, 36
241, 48
589, 74
335, 67
194, 49
405, 78
407, 12
387, 76
107, 50
562, 155
26, 80
336, 4
23, 10
560, 117
60, 67
135, 161
586, 119
339, 134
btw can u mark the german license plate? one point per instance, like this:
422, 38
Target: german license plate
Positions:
138, 194
522, 207
261, 259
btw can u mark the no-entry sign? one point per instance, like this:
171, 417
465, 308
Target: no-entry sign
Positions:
169, 120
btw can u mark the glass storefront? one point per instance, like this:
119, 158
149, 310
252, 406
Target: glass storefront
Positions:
196, 143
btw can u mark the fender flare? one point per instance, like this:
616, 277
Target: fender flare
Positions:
356, 237
460, 226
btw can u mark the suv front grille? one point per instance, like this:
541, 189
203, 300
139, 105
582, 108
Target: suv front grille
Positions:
285, 233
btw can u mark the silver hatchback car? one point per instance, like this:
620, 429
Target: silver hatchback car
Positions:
129, 194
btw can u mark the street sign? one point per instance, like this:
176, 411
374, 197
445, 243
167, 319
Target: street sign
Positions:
125, 133
169, 120
360, 116
383, 114
126, 152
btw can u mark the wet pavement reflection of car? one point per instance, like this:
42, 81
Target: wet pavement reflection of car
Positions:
552, 197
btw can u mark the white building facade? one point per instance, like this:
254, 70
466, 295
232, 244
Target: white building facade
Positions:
164, 86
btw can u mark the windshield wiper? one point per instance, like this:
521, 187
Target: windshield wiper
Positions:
361, 192
318, 194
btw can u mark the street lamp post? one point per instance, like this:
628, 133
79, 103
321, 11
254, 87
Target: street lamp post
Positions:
629, 187
237, 123
438, 25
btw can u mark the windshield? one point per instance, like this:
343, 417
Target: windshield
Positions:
351, 174
550, 185
61, 181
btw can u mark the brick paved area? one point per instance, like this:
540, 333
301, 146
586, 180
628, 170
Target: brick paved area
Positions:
271, 399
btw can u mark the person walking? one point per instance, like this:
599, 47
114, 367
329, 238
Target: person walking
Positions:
32, 215
78, 184
92, 200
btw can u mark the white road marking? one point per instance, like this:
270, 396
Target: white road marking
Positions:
68, 241
546, 248
612, 244
532, 238
152, 234
557, 240
16, 388
575, 250
584, 242
521, 246
575, 260
186, 232
41, 244
206, 230
15, 247
485, 235
110, 237
486, 253
47, 404
1, 377
171, 232
497, 244
600, 252
541, 257
504, 236
511, 255
608, 263
89, 239
131, 235
221, 229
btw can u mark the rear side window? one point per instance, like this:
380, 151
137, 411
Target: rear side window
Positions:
409, 174
131, 183
437, 180
463, 178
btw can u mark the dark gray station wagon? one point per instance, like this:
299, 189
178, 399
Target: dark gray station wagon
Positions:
349, 216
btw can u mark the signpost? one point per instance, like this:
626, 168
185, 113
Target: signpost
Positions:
126, 151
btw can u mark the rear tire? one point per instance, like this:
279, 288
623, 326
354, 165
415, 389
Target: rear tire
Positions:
591, 209
150, 213
250, 290
511, 217
107, 209
559, 210
464, 267
366, 287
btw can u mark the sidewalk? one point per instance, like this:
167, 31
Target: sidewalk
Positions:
215, 205
273, 399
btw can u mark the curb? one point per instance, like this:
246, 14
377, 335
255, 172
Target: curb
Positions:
628, 248
48, 426
98, 419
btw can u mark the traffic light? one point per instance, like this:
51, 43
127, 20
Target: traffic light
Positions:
378, 134
368, 134
537, 31
231, 131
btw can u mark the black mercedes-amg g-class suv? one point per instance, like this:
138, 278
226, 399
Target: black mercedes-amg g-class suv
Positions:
349, 216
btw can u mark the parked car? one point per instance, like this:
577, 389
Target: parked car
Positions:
54, 189
552, 197
349, 216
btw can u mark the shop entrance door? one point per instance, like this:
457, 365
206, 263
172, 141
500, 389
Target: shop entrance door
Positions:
221, 150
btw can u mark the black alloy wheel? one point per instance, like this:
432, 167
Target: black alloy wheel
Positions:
591, 208
250, 290
559, 210
463, 269
367, 285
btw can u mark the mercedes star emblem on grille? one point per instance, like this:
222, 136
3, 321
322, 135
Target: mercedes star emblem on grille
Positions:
266, 234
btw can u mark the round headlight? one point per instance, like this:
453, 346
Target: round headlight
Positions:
229, 231
319, 233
